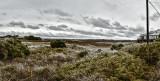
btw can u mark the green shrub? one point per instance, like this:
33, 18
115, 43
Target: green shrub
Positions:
150, 53
157, 40
31, 37
12, 48
120, 45
58, 44
82, 54
117, 47
107, 67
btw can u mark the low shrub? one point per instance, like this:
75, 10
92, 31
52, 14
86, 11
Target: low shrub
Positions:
31, 37
130, 48
150, 53
117, 47
12, 48
82, 54
58, 44
107, 67
157, 40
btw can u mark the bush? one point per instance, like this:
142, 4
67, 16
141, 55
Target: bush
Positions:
130, 48
150, 53
12, 48
117, 47
157, 40
107, 67
31, 37
58, 44
82, 54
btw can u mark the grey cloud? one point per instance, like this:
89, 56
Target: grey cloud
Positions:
41, 24
13, 23
4, 13
55, 28
142, 17
130, 34
98, 22
90, 33
1, 25
57, 12
69, 20
32, 27
22, 25
119, 26
41, 34
138, 29
155, 17
63, 26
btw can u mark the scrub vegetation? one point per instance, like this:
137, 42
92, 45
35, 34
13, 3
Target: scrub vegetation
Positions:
12, 48
61, 61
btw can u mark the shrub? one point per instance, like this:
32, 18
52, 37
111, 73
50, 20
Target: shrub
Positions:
157, 40
12, 48
58, 44
117, 47
107, 67
130, 48
82, 54
31, 37
150, 53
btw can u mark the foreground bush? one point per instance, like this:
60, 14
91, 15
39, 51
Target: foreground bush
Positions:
117, 47
150, 53
107, 67
58, 44
130, 48
157, 40
82, 54
12, 48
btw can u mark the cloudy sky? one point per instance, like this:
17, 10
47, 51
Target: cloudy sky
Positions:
85, 19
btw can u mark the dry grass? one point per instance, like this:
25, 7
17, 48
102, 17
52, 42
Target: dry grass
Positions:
85, 43
55, 64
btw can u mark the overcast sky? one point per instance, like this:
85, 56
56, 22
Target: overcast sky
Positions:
86, 19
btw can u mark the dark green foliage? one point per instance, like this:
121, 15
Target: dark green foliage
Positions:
82, 54
117, 47
150, 53
12, 48
10, 36
31, 37
120, 45
157, 40
58, 44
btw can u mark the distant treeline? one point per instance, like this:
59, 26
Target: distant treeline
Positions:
31, 37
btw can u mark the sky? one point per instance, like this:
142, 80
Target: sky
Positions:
77, 19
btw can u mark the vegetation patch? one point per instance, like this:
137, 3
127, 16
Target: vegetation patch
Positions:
112, 67
31, 37
12, 48
150, 53
58, 44
82, 54
117, 47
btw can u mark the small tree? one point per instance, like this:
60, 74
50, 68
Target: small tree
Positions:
58, 44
